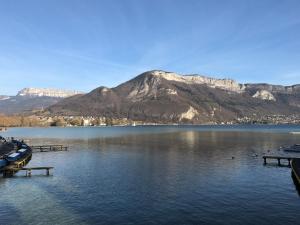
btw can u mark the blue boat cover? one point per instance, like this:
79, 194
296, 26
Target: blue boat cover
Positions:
13, 157
3, 162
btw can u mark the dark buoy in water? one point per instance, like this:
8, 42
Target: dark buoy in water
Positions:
232, 157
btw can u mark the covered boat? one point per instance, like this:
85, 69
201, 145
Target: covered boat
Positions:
13, 160
23, 151
293, 148
13, 157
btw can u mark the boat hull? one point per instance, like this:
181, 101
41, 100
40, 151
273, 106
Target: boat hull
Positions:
296, 169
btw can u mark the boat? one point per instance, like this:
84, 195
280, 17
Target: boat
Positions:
17, 158
293, 148
296, 169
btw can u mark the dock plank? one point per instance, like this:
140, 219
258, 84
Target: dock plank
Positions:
49, 148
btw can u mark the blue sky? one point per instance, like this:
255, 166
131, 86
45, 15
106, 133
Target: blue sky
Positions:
75, 44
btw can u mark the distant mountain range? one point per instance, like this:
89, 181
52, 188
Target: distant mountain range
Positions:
29, 100
161, 97
47, 92
166, 97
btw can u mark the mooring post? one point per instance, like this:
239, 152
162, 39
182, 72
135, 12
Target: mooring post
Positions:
278, 162
48, 173
265, 160
289, 160
29, 173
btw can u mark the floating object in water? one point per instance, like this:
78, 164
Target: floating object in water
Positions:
232, 157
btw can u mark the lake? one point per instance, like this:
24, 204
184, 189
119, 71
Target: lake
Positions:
153, 175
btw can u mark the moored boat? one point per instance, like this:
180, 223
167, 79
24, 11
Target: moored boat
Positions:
296, 169
15, 159
293, 148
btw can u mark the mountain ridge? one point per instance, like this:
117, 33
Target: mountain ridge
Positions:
29, 100
47, 92
159, 96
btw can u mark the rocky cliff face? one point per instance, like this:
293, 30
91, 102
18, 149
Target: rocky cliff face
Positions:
274, 88
225, 84
164, 97
264, 95
47, 92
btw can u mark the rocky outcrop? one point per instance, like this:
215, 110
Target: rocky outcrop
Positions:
274, 88
264, 95
47, 92
225, 84
190, 114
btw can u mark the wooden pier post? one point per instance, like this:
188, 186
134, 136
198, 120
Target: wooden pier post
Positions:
278, 162
265, 161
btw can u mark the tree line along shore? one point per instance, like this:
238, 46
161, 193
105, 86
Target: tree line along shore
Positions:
38, 121
62, 121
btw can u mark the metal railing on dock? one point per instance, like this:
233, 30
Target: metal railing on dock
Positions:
48, 148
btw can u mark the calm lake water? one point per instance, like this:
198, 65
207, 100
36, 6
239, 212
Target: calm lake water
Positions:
154, 175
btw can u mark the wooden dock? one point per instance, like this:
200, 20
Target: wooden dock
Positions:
48, 148
279, 158
10, 171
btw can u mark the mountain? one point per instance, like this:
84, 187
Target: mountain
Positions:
32, 99
166, 97
47, 92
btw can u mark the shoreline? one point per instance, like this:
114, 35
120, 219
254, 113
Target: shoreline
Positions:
162, 124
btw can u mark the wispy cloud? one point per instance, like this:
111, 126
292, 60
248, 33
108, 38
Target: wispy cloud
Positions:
90, 59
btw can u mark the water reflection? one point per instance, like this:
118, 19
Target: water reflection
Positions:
174, 177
